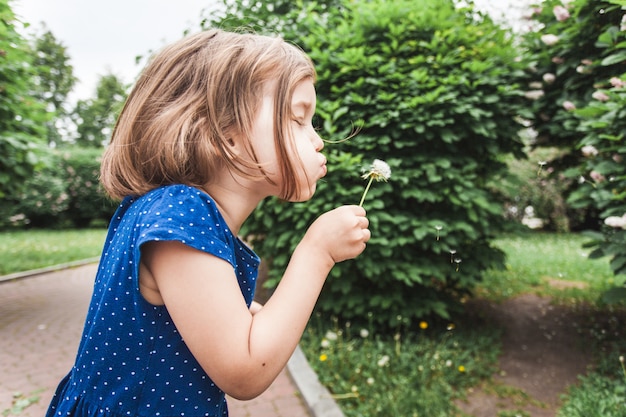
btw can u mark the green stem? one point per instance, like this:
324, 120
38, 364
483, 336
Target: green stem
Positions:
365, 192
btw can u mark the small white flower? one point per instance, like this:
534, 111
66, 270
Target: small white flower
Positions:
325, 343
330, 335
534, 94
364, 333
384, 360
569, 106
370, 381
589, 150
549, 78
549, 39
615, 221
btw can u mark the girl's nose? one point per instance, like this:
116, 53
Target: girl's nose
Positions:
318, 142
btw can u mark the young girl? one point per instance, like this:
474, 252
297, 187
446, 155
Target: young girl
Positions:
215, 123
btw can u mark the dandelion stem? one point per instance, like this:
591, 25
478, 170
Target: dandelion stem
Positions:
366, 190
345, 396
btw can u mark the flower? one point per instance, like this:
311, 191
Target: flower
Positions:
370, 381
589, 150
330, 335
617, 82
379, 171
622, 26
325, 343
568, 105
549, 39
534, 94
560, 13
423, 325
384, 360
461, 368
364, 333
615, 221
323, 357
600, 95
596, 176
549, 78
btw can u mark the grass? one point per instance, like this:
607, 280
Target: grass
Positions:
32, 249
554, 265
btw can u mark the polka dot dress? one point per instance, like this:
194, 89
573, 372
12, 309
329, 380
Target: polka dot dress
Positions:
131, 360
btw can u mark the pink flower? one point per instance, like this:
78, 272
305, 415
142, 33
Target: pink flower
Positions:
560, 13
557, 60
617, 82
569, 106
589, 150
596, 176
548, 78
534, 94
549, 39
600, 95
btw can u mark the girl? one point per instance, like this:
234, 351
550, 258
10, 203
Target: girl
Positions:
215, 123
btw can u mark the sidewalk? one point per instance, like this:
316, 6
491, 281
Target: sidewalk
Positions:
41, 319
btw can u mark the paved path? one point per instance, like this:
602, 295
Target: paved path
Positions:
41, 319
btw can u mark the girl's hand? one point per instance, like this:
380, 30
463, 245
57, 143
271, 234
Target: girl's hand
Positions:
340, 234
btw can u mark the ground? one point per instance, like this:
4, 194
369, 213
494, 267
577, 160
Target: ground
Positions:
545, 349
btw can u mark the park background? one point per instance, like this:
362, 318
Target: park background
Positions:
487, 130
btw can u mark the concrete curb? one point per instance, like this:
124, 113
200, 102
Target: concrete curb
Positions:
316, 397
33, 272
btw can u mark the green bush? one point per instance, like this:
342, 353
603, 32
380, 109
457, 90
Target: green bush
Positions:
81, 170
434, 93
65, 193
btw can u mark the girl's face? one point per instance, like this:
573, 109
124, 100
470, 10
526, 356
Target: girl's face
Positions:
304, 152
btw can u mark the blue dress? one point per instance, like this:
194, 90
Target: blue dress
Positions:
131, 360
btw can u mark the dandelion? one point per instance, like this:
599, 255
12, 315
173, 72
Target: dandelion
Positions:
364, 333
621, 360
370, 381
541, 165
461, 368
457, 261
423, 325
438, 229
325, 343
330, 335
452, 253
323, 357
379, 171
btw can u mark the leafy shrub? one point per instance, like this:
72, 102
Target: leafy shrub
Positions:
433, 91
67, 192
81, 170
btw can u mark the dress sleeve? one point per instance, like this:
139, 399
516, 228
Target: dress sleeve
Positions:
189, 216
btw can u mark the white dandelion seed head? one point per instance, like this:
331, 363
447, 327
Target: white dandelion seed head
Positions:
379, 170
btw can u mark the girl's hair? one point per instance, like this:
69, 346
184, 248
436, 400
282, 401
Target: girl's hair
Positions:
191, 100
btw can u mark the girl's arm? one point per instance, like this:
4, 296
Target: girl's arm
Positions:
242, 350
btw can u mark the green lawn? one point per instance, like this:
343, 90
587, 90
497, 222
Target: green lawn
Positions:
32, 249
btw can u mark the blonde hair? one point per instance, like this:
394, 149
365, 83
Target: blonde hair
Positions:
191, 100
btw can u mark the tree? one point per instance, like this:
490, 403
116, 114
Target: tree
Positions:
22, 117
55, 80
95, 118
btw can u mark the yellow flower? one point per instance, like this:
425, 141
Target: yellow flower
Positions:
461, 368
423, 325
323, 357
